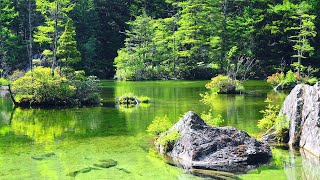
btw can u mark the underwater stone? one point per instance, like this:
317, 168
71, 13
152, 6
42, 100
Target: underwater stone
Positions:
108, 163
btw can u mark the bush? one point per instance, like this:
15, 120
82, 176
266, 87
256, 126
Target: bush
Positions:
159, 125
276, 79
272, 119
4, 82
131, 99
270, 114
289, 80
210, 120
312, 81
168, 139
224, 84
39, 87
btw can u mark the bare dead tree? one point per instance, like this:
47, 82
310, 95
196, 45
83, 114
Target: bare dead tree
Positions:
242, 69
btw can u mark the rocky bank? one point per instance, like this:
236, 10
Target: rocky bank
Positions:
302, 108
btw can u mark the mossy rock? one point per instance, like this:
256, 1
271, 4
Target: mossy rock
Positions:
108, 163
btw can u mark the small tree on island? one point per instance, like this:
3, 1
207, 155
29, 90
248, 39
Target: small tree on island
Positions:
67, 49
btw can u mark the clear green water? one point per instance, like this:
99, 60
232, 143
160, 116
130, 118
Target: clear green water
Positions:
80, 137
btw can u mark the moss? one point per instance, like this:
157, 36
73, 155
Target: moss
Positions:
168, 140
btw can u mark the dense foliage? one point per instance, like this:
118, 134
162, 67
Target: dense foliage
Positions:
274, 121
159, 125
161, 39
39, 87
223, 84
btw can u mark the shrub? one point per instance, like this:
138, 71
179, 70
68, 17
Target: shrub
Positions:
4, 82
210, 120
312, 81
41, 88
276, 79
270, 114
272, 119
132, 99
168, 139
290, 78
224, 84
159, 125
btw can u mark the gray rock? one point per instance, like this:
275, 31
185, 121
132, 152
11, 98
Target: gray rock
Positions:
222, 149
302, 108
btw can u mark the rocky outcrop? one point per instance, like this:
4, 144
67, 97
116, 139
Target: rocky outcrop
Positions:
302, 108
221, 149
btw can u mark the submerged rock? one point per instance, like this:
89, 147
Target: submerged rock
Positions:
84, 170
302, 108
213, 174
221, 149
42, 156
108, 163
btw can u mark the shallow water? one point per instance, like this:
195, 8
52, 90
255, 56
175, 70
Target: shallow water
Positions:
52, 143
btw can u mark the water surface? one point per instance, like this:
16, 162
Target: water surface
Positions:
51, 143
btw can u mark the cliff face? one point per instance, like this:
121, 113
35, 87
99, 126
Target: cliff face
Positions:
302, 108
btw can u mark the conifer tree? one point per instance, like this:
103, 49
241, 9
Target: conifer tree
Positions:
68, 52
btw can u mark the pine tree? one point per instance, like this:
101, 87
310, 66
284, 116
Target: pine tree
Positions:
8, 40
303, 32
67, 46
55, 14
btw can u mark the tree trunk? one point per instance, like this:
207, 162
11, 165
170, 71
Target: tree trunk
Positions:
224, 33
30, 37
55, 39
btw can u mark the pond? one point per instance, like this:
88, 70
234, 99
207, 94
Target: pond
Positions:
63, 143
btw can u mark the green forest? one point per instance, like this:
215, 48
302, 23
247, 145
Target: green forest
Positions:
160, 39
160, 89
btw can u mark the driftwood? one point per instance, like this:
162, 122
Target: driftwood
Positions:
12, 97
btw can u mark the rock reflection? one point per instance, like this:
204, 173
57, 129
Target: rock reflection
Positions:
310, 165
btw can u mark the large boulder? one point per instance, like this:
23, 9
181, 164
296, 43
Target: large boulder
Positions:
206, 147
302, 108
